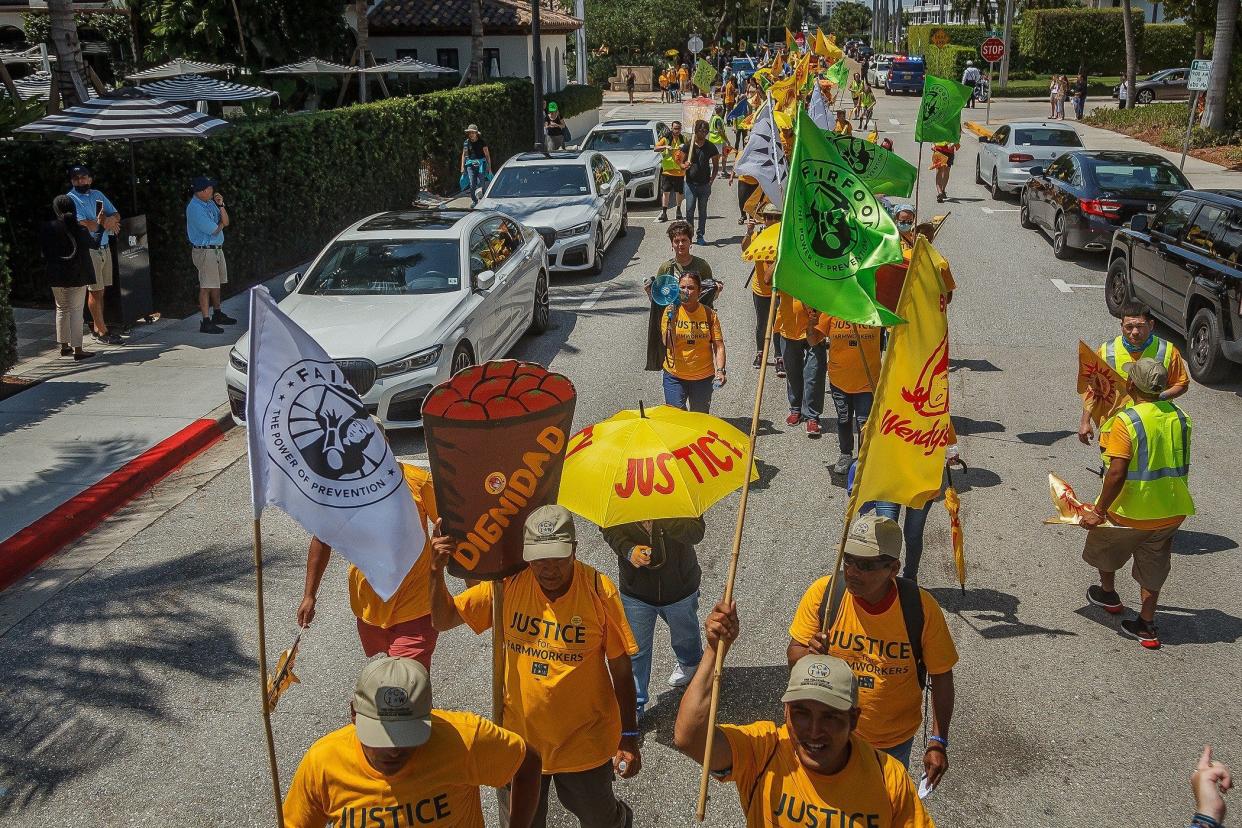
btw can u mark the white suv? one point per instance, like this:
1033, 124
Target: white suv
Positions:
630, 146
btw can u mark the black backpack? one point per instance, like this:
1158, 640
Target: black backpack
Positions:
911, 610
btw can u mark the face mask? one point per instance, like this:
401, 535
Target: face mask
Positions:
905, 226
685, 295
82, 188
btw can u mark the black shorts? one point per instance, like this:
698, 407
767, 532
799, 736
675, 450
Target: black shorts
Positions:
672, 183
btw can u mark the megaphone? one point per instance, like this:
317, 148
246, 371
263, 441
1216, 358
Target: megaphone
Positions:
665, 290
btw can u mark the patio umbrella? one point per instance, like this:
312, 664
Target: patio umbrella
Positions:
175, 68
202, 88
37, 87
312, 66
408, 65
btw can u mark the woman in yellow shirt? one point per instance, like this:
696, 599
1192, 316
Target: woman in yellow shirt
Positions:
761, 286
694, 349
842, 126
804, 348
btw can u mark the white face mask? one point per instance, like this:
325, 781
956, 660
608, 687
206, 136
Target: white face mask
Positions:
905, 226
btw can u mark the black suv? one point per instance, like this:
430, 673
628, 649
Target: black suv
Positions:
1183, 262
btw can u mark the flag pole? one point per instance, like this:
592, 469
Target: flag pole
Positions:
918, 175
498, 653
267, 715
718, 667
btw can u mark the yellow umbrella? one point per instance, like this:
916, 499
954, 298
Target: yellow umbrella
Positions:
763, 246
652, 463
953, 503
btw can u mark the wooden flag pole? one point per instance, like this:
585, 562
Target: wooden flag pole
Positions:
498, 653
918, 175
267, 716
718, 667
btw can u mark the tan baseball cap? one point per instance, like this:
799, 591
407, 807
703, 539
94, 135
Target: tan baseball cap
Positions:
549, 533
1149, 376
392, 704
872, 536
825, 679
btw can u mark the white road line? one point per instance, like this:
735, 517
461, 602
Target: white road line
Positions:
1064, 287
894, 122
593, 298
991, 210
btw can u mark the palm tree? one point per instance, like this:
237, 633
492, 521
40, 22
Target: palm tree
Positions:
1222, 61
70, 69
982, 8
477, 70
1127, 22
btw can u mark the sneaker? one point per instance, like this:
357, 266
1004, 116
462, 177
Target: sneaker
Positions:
940, 197
793, 419
78, 356
812, 428
207, 326
67, 350
1141, 630
106, 339
1110, 601
221, 318
678, 216
842, 466
700, 240
680, 677
663, 216
780, 368
756, 366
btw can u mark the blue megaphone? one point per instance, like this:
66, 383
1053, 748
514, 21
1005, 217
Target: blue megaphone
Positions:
664, 290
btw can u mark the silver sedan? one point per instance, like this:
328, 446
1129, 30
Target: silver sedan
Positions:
1007, 156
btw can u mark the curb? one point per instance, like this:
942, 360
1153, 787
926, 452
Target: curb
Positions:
28, 549
977, 129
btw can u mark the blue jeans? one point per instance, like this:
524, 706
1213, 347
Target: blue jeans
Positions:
696, 393
850, 407
474, 171
696, 196
901, 752
911, 530
806, 368
682, 618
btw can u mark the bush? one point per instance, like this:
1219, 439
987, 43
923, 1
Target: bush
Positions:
574, 99
1165, 122
8, 328
1166, 46
920, 36
291, 182
1077, 40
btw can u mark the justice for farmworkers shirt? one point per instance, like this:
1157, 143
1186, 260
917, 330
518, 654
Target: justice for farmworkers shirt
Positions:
873, 641
558, 691
873, 790
439, 786
412, 600
792, 318
845, 357
691, 356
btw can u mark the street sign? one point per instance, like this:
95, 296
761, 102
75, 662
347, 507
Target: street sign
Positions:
1199, 71
939, 37
992, 49
695, 44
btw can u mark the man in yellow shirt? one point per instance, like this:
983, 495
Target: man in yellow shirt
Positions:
401, 762
1145, 489
893, 634
569, 684
850, 380
814, 769
804, 354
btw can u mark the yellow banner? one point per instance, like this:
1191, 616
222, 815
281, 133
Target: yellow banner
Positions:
827, 49
802, 72
902, 456
1103, 390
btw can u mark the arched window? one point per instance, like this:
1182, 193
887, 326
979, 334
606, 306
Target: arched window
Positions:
558, 76
547, 69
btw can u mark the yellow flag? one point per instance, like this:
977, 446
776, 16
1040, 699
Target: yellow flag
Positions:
827, 48
790, 43
802, 72
778, 67
784, 95
763, 246
1103, 390
902, 456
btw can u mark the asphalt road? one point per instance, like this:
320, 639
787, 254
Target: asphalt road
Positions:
129, 694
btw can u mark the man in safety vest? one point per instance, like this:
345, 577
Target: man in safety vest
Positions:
1145, 489
716, 134
1137, 340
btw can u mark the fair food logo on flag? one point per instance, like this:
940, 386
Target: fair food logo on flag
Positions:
319, 434
829, 238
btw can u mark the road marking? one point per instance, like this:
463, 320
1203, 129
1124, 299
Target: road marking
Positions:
593, 298
1064, 287
894, 122
991, 210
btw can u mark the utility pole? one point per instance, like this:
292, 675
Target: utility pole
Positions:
580, 73
536, 71
1007, 37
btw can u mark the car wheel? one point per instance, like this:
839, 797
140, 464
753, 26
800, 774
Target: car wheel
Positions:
541, 317
597, 257
1146, 96
1024, 214
1207, 362
624, 229
463, 358
997, 193
1117, 292
978, 173
1060, 244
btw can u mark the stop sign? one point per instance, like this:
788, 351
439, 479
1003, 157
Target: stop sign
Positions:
992, 49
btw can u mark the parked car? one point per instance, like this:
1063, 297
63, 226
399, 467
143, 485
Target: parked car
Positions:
1006, 157
576, 200
404, 300
905, 74
1183, 262
629, 145
877, 74
1085, 195
742, 68
1165, 85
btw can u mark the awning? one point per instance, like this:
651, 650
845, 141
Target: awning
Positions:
202, 88
408, 65
180, 67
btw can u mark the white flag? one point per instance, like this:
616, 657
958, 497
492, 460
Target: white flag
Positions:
817, 111
764, 158
316, 454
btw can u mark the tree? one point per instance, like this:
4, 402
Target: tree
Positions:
982, 10
475, 73
793, 16
1127, 20
1214, 113
1200, 16
70, 69
646, 26
850, 19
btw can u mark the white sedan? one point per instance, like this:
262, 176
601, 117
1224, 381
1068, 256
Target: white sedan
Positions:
629, 145
404, 300
1007, 156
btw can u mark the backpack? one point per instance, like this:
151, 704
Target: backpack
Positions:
911, 602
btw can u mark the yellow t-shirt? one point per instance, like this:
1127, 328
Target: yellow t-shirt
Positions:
878, 649
759, 287
843, 128
845, 358
691, 356
558, 691
873, 790
683, 74
792, 318
413, 598
439, 786
1116, 442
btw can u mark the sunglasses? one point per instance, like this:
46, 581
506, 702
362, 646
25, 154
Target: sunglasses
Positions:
867, 564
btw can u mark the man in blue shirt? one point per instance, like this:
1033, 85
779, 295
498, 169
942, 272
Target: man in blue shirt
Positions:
96, 214
205, 220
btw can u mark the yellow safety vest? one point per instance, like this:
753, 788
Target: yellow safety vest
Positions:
1117, 355
1156, 478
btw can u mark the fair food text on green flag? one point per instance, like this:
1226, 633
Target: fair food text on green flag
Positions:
881, 170
940, 114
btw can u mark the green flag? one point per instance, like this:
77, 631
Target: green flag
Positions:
834, 233
839, 74
940, 114
704, 74
881, 170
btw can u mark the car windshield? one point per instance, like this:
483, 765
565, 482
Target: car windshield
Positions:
540, 181
386, 267
1123, 177
620, 139
1045, 138
882, 65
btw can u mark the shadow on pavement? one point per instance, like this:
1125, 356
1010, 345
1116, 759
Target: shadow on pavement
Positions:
975, 478
73, 693
1176, 625
1044, 438
747, 694
742, 424
996, 610
971, 365
1201, 543
25, 412
967, 426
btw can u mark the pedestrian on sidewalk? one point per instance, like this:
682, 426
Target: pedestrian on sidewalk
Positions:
554, 126
804, 351
630, 80
66, 247
658, 576
761, 287
476, 161
683, 81
1054, 94
569, 680
672, 149
401, 758
1063, 90
694, 349
702, 166
970, 78
719, 138
1123, 93
1078, 91
205, 220
1147, 449
96, 213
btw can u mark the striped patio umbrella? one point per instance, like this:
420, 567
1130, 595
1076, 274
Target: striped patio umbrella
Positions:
175, 68
202, 88
124, 115
37, 87
409, 66
312, 66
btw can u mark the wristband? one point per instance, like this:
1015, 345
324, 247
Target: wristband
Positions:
1204, 821
633, 733
940, 740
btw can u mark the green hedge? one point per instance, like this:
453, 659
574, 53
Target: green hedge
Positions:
919, 36
1070, 41
1166, 46
291, 181
575, 99
8, 328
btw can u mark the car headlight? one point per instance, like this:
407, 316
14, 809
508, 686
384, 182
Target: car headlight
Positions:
238, 361
576, 230
419, 359
644, 173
